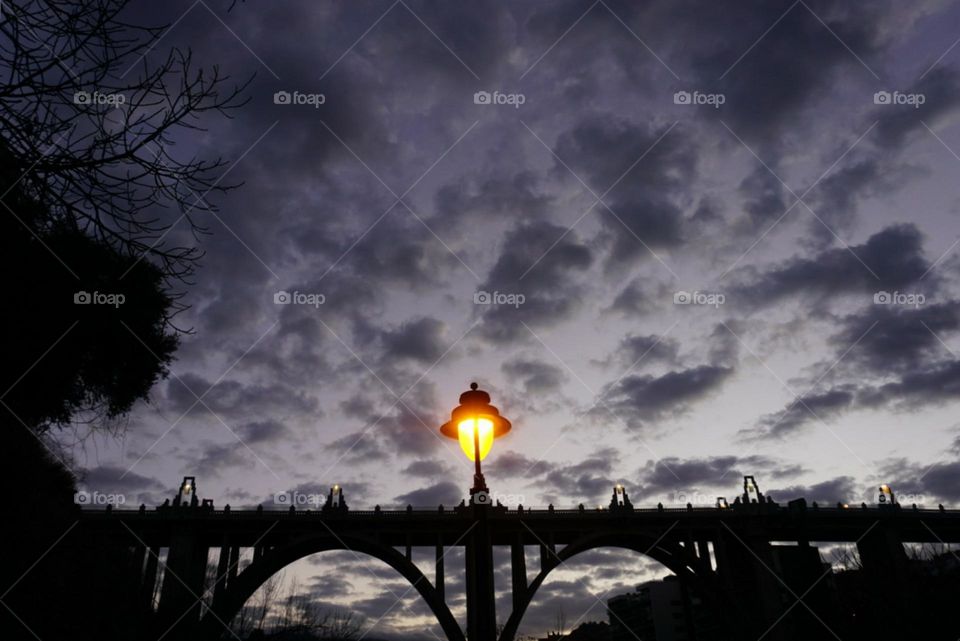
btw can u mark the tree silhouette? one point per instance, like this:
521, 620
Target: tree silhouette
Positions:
87, 113
88, 193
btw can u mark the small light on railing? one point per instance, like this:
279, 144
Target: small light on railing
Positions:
722, 503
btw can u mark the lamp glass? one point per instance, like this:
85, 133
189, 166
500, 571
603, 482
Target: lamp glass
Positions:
465, 432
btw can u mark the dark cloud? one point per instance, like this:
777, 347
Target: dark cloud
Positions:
673, 476
427, 468
808, 408
542, 262
885, 338
891, 259
511, 464
231, 398
535, 376
263, 431
765, 196
842, 489
645, 398
637, 350
585, 481
422, 340
941, 91
215, 458
645, 208
443, 493
772, 88
108, 479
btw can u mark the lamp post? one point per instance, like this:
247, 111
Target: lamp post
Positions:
476, 423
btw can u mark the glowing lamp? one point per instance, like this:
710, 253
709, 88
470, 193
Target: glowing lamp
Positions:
475, 423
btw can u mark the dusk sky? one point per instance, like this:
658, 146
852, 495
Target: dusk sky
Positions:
677, 242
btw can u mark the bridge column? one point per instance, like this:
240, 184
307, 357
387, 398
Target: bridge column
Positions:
518, 568
149, 582
548, 554
179, 610
886, 581
744, 568
224, 564
234, 564
481, 605
438, 582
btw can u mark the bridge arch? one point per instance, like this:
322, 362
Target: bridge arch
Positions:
274, 560
677, 559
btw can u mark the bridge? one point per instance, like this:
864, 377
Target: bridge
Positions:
725, 554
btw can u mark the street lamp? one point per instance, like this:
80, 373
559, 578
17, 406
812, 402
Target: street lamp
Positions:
475, 423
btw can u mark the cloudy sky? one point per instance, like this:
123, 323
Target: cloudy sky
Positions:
677, 242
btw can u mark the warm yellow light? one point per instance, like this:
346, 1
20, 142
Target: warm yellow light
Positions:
465, 432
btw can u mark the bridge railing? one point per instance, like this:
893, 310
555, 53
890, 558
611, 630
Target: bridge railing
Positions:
539, 511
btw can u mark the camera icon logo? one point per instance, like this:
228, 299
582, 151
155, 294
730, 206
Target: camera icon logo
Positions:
281, 298
681, 98
482, 98
882, 98
81, 98
81, 298
681, 298
881, 298
81, 498
282, 498
281, 98
481, 298
481, 498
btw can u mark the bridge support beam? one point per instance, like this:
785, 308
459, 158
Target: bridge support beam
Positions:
148, 583
886, 580
224, 567
481, 603
438, 581
745, 567
518, 569
183, 576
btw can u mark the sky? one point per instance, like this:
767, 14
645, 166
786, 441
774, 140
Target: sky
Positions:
677, 243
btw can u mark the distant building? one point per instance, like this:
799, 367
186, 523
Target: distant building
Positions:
657, 611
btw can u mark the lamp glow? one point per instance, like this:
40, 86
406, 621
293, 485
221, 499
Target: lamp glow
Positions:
465, 434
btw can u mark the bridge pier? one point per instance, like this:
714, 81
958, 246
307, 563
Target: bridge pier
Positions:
148, 583
438, 581
481, 603
183, 577
744, 568
886, 582
225, 564
518, 571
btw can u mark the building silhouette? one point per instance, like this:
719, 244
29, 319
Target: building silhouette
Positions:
661, 610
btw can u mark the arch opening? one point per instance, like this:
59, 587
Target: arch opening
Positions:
696, 582
259, 572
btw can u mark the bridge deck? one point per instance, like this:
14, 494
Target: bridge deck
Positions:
428, 527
